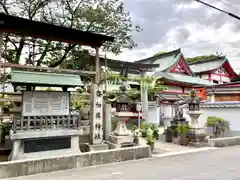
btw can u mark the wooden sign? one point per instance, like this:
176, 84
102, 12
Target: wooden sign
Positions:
44, 103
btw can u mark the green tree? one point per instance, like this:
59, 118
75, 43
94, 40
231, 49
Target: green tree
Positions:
99, 16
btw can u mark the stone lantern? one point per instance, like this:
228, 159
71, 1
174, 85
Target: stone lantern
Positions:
123, 108
121, 137
194, 108
196, 133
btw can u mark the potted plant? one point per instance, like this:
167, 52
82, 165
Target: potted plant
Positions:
136, 135
144, 128
150, 139
183, 132
155, 131
175, 135
168, 134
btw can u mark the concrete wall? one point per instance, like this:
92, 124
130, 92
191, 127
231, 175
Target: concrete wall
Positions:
153, 113
44, 165
229, 114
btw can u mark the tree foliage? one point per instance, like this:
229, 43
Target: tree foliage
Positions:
159, 53
201, 58
192, 59
99, 16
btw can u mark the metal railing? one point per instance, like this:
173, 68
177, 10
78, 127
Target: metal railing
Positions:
25, 123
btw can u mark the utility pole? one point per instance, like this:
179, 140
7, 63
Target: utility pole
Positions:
211, 6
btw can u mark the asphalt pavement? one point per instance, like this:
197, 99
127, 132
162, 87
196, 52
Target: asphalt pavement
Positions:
217, 164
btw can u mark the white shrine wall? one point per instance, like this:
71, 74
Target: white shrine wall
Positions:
229, 114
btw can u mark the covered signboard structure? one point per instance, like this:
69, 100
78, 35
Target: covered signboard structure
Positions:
57, 131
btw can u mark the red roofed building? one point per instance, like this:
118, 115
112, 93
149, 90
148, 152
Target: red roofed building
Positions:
217, 70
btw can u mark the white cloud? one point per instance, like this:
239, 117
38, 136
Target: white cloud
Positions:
197, 29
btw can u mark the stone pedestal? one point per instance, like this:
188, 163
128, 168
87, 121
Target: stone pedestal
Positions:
99, 147
194, 115
120, 137
107, 123
44, 143
196, 133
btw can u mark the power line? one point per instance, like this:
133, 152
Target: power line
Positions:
218, 9
227, 4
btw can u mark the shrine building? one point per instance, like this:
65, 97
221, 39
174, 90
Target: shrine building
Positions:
216, 70
175, 73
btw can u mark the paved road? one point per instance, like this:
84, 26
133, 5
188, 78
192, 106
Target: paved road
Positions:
220, 164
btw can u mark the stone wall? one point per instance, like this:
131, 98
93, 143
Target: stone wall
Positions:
44, 165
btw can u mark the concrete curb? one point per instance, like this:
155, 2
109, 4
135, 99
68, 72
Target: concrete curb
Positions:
129, 161
59, 163
184, 152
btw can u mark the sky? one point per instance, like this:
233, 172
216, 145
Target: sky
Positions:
186, 24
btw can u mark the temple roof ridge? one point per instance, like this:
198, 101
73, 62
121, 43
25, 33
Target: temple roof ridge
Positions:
152, 58
217, 58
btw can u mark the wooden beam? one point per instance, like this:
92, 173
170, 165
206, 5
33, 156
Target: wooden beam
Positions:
79, 72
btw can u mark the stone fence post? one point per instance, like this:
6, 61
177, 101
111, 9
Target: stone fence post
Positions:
107, 121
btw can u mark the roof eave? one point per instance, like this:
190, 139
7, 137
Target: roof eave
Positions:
185, 83
207, 60
26, 27
177, 51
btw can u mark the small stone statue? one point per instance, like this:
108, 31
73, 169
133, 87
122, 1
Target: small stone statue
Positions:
179, 108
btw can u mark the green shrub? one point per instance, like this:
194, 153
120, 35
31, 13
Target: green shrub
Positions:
217, 121
6, 127
144, 127
183, 129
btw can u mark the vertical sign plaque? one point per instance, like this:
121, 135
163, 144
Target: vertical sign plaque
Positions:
97, 115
